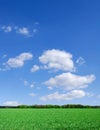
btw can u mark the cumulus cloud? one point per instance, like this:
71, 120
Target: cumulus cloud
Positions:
11, 103
6, 28
57, 59
69, 81
35, 68
80, 61
18, 61
65, 96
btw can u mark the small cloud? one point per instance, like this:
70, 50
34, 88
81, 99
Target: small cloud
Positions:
35, 68
35, 30
11, 103
32, 85
24, 31
32, 94
80, 61
6, 29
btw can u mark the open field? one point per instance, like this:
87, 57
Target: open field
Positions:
50, 119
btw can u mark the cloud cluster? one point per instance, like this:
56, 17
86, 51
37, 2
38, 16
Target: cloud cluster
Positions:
26, 31
28, 84
66, 96
19, 61
69, 81
6, 29
57, 59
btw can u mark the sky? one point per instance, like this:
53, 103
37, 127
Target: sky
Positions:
49, 52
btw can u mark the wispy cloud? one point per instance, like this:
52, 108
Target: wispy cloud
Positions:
80, 61
26, 83
4, 56
11, 103
32, 94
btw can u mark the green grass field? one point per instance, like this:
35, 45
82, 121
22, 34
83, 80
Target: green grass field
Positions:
49, 119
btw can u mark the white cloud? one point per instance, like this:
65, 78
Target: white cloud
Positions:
57, 59
24, 31
18, 61
65, 96
11, 103
69, 81
80, 61
6, 28
35, 68
32, 94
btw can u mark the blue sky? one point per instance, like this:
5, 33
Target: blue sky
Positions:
49, 52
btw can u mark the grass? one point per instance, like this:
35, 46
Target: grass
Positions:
49, 119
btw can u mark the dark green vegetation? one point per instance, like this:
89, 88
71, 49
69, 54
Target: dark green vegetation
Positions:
52, 106
49, 119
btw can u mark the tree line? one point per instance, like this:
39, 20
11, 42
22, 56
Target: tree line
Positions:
52, 106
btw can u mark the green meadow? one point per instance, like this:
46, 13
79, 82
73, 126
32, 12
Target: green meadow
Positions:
49, 119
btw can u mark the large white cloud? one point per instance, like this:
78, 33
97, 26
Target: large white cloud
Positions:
69, 81
18, 61
65, 96
57, 59
11, 103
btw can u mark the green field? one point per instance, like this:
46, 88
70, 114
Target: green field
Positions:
49, 119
